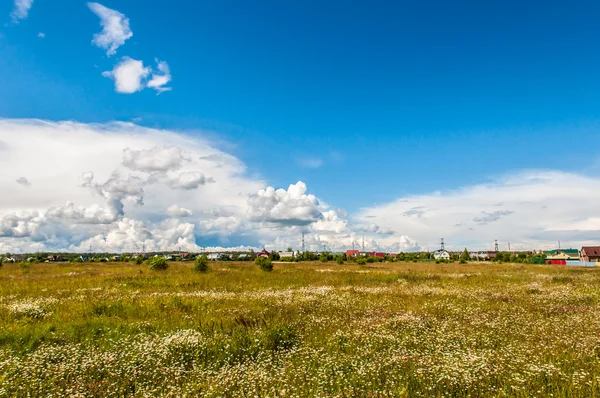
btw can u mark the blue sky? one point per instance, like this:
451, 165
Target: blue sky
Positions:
364, 103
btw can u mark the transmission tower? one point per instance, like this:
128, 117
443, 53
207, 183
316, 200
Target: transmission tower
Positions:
495, 245
303, 242
442, 244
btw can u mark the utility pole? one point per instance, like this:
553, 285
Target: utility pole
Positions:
303, 250
508, 246
558, 245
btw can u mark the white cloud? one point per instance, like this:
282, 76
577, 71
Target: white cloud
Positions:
291, 207
532, 209
84, 193
178, 212
23, 181
153, 160
41, 35
129, 75
115, 28
189, 180
160, 78
21, 10
114, 186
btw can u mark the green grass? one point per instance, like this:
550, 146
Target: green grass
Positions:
305, 329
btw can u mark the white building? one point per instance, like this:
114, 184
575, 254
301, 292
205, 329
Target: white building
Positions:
441, 255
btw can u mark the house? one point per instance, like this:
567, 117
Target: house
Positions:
377, 254
83, 258
214, 256
563, 255
51, 258
243, 257
286, 254
352, 253
590, 254
116, 258
264, 253
441, 255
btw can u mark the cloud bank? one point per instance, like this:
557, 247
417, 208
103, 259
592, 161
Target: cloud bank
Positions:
122, 187
530, 209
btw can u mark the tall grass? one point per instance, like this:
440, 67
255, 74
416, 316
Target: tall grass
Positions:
304, 329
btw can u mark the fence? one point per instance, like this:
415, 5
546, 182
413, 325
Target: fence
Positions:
582, 263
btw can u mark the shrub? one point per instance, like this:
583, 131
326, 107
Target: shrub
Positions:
361, 261
370, 260
265, 263
158, 263
1, 262
340, 260
201, 264
462, 261
323, 258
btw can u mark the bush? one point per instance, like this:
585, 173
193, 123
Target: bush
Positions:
264, 263
201, 264
340, 260
139, 260
158, 263
462, 261
361, 261
1, 262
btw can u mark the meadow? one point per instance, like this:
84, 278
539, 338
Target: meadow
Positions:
304, 329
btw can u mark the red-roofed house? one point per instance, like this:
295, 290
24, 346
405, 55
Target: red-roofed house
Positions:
590, 254
378, 254
352, 253
263, 253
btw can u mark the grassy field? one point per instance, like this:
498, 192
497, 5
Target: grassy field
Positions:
317, 329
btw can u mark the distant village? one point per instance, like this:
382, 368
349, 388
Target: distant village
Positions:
586, 256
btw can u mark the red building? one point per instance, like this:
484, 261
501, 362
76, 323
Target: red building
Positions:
352, 253
378, 254
263, 253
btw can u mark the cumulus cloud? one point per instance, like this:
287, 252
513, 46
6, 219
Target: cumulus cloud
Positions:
376, 229
286, 207
160, 77
129, 75
23, 181
178, 212
91, 191
41, 35
115, 28
18, 225
189, 180
531, 209
21, 10
153, 160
